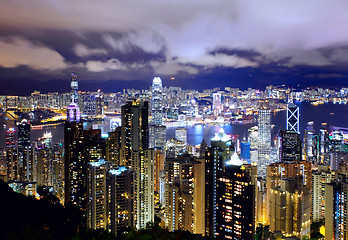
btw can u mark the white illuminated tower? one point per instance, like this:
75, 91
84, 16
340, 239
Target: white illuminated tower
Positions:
292, 117
157, 130
264, 143
73, 110
157, 102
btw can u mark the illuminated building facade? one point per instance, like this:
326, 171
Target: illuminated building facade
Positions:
289, 187
136, 154
157, 102
235, 214
336, 209
181, 134
179, 193
290, 150
157, 129
215, 158
97, 211
11, 155
309, 146
264, 141
292, 117
320, 178
121, 200
217, 107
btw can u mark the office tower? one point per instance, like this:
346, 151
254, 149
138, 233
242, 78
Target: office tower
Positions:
181, 134
290, 150
253, 137
99, 102
175, 147
245, 151
264, 141
322, 157
121, 200
74, 98
216, 157
179, 207
23, 133
97, 211
75, 162
336, 209
157, 102
135, 153
309, 143
292, 117
217, 103
158, 169
320, 178
157, 130
289, 187
11, 155
25, 152
157, 137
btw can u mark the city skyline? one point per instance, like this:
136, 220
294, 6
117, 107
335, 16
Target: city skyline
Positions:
116, 45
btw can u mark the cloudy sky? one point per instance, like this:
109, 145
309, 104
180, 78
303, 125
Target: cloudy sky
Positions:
200, 43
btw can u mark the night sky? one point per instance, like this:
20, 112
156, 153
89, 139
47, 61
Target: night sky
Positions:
116, 44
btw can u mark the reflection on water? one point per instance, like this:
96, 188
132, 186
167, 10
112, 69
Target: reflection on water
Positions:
319, 114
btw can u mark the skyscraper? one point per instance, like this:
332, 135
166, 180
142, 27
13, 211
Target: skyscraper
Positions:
97, 211
75, 162
157, 130
25, 152
136, 154
320, 178
157, 102
336, 206
216, 156
292, 117
264, 141
290, 146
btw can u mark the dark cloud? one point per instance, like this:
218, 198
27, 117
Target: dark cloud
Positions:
133, 40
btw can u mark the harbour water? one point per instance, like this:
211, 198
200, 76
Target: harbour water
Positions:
331, 114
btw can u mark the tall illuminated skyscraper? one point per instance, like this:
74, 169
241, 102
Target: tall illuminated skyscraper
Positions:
264, 141
157, 102
97, 211
215, 158
75, 162
292, 117
157, 130
136, 154
217, 103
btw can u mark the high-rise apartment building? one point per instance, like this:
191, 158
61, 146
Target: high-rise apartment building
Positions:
136, 154
264, 141
320, 178
97, 211
336, 209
